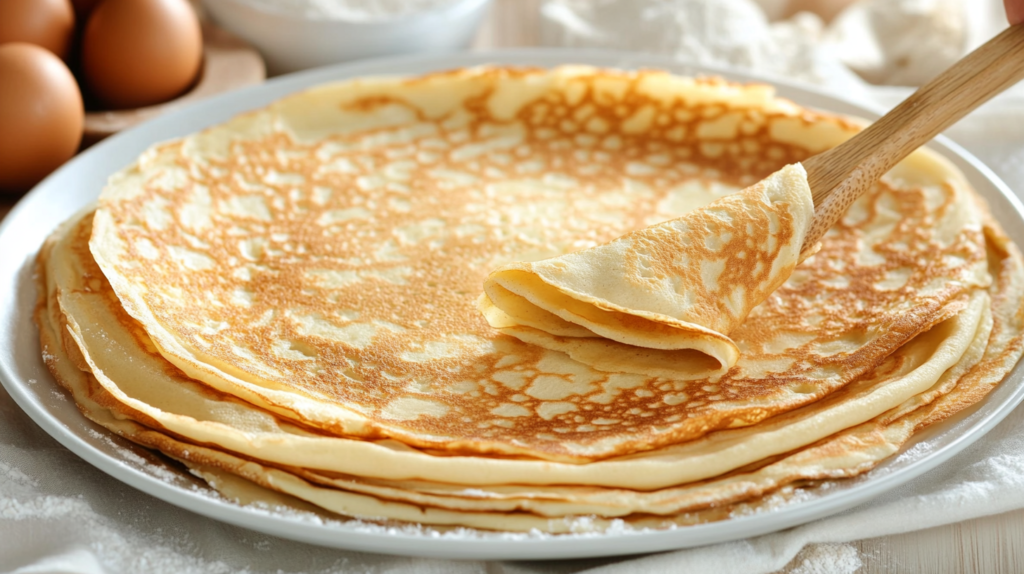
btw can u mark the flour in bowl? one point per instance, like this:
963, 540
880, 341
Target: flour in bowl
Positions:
357, 10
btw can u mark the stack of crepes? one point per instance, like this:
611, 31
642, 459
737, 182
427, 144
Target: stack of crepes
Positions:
292, 300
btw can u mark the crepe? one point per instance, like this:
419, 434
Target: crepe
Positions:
676, 289
321, 259
994, 347
287, 303
119, 354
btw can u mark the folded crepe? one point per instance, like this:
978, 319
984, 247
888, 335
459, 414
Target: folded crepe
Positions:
286, 303
661, 300
321, 259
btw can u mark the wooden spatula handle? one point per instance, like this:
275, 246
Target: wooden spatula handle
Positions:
838, 176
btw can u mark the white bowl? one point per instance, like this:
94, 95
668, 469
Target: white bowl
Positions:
290, 43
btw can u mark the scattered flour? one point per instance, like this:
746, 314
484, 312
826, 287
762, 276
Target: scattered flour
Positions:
44, 507
159, 470
15, 475
827, 559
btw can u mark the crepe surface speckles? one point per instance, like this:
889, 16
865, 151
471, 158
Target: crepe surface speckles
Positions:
76, 301
675, 289
321, 258
143, 386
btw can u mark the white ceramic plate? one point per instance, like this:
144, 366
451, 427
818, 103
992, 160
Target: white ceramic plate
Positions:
80, 181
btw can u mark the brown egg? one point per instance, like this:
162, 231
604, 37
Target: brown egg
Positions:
140, 52
46, 23
83, 7
41, 115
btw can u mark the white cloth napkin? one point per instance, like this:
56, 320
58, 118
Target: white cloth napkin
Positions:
58, 514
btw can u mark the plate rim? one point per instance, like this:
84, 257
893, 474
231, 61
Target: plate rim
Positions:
126, 146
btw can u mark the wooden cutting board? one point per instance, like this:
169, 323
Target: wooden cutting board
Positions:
228, 63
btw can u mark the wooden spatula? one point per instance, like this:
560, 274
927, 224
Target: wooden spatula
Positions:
838, 176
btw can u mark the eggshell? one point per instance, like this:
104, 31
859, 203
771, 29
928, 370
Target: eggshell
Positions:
140, 52
83, 7
46, 23
41, 115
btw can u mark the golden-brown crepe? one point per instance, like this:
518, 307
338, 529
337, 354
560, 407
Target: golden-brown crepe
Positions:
993, 349
322, 258
116, 350
287, 303
676, 289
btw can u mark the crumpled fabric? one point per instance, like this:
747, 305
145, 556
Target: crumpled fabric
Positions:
870, 42
58, 514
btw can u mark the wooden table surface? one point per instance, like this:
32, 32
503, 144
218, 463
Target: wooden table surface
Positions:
993, 544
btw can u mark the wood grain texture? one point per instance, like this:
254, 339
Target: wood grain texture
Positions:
993, 544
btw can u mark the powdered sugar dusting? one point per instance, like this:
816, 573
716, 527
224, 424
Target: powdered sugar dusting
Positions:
827, 559
155, 469
16, 475
47, 507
